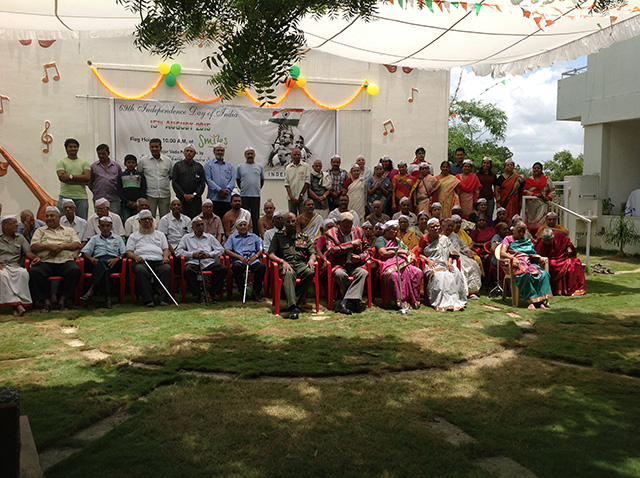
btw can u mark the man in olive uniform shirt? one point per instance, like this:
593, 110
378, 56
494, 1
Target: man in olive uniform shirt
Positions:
294, 252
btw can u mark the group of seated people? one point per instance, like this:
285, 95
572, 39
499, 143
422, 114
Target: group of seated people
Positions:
452, 249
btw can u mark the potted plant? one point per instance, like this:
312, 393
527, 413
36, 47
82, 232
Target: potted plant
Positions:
607, 206
621, 232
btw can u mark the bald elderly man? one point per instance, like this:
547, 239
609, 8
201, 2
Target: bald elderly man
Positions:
188, 182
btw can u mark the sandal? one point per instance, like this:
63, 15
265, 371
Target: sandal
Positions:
46, 309
62, 307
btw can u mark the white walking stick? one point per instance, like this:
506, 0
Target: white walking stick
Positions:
160, 282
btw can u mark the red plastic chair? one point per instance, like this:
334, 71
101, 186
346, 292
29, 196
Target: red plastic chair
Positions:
119, 276
132, 280
276, 286
183, 283
330, 282
78, 290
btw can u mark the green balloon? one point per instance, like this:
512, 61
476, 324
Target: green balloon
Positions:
176, 69
170, 79
294, 72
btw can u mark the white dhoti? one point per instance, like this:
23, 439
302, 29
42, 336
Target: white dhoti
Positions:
14, 286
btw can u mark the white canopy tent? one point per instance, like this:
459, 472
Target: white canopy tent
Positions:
494, 36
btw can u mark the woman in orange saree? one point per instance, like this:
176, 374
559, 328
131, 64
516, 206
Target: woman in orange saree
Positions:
509, 184
446, 192
469, 189
402, 185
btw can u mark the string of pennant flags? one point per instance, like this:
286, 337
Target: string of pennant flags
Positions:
455, 113
537, 14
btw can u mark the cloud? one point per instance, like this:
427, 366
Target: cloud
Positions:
533, 133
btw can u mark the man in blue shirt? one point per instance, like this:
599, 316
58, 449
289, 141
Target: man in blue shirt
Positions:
102, 254
220, 177
245, 248
250, 179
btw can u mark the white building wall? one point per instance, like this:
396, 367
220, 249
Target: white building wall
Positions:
73, 108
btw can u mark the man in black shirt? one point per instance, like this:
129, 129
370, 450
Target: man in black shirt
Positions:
188, 182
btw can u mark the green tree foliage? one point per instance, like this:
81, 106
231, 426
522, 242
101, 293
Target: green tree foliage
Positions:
251, 43
478, 128
563, 164
621, 232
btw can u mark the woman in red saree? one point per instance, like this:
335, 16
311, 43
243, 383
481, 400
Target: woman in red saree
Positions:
481, 234
469, 188
446, 189
402, 185
567, 274
540, 187
509, 184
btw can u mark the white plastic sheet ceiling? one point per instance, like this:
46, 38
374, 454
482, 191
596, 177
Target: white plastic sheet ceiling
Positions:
496, 37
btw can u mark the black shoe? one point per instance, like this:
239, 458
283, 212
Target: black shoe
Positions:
294, 313
354, 306
342, 309
150, 304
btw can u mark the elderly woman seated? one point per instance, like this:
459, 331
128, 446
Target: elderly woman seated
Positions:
567, 274
446, 287
395, 257
470, 269
532, 281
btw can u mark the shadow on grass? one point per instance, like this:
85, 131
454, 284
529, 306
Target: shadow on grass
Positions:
554, 420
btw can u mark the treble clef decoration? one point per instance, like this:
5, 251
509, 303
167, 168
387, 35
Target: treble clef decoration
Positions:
46, 137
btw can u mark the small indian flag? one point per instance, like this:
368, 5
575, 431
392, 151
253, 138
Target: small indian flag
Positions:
288, 116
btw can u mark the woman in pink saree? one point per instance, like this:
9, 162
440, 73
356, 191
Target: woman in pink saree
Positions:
567, 274
410, 276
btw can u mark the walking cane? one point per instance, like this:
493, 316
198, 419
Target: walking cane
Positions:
246, 281
202, 281
160, 282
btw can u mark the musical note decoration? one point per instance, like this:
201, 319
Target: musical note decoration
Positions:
413, 90
53, 65
45, 137
391, 129
2, 98
40, 194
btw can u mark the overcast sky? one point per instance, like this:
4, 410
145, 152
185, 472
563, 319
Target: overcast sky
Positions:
533, 133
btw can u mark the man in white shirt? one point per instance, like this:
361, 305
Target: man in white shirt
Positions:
343, 206
157, 169
278, 225
297, 176
93, 227
175, 224
70, 219
150, 246
202, 250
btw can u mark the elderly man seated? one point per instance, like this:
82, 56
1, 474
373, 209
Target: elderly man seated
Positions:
70, 219
294, 252
102, 209
278, 225
14, 279
174, 225
102, 254
348, 248
202, 252
28, 224
55, 245
245, 250
149, 248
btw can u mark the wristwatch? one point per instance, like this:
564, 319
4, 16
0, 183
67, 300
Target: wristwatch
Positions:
71, 177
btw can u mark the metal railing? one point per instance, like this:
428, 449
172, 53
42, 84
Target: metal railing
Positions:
568, 211
575, 71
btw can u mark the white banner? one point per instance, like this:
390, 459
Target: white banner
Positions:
272, 132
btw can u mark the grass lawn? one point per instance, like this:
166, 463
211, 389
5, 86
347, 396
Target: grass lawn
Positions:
291, 408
